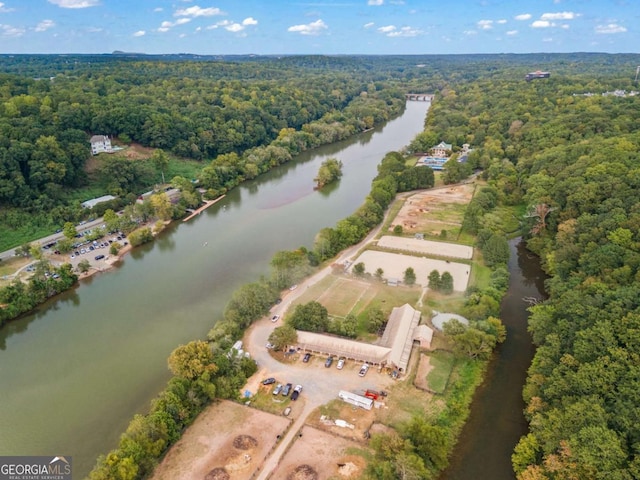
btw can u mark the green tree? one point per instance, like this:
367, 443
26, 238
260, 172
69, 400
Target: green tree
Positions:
434, 280
160, 160
192, 360
283, 336
375, 320
379, 273
84, 265
398, 230
69, 230
330, 171
111, 220
358, 269
496, 250
312, 317
446, 283
409, 276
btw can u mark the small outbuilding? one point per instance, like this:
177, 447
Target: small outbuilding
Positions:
355, 399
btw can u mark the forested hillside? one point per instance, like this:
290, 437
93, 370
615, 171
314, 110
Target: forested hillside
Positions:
214, 113
568, 148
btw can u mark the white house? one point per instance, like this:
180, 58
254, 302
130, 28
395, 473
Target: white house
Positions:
441, 150
99, 144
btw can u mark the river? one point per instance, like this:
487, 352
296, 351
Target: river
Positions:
75, 372
496, 422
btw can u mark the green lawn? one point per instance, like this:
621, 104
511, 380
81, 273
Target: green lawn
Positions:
438, 377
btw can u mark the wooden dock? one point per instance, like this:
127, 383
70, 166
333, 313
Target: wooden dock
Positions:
206, 205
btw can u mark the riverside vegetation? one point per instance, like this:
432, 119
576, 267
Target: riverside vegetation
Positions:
569, 162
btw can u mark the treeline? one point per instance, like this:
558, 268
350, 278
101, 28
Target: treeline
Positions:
205, 371
21, 297
573, 162
242, 126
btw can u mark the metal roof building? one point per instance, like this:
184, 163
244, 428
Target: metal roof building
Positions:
393, 350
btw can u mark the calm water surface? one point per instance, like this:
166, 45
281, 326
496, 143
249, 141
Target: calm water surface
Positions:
73, 374
496, 422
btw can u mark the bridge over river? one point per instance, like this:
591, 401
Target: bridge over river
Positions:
419, 97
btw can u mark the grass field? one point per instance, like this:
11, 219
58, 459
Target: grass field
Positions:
438, 377
343, 295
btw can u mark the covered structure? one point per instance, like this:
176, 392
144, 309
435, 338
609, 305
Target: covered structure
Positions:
95, 201
424, 335
355, 399
393, 350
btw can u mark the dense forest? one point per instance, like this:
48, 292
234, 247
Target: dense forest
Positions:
567, 149
564, 149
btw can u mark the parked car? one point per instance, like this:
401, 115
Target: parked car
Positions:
328, 361
340, 364
287, 411
287, 389
363, 370
99, 257
269, 381
275, 318
269, 345
278, 389
306, 357
296, 392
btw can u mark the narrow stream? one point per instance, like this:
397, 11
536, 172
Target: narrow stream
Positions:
497, 422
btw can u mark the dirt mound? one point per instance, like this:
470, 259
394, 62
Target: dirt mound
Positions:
351, 466
217, 474
245, 442
303, 472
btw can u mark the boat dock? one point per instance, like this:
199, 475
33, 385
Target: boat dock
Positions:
206, 205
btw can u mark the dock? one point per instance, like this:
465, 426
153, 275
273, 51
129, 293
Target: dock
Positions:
206, 205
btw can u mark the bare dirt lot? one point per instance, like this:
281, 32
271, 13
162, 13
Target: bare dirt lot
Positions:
318, 455
432, 211
428, 247
227, 437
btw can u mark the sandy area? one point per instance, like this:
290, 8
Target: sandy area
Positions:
429, 211
323, 453
395, 264
427, 246
225, 436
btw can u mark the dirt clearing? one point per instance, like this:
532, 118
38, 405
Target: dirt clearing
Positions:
319, 455
227, 441
432, 211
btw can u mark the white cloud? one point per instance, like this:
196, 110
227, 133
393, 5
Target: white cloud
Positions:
234, 27
470, 32
542, 24
610, 28
182, 21
502, 21
10, 31
313, 28
375, 2
368, 25
547, 39
512, 32
197, 11
45, 25
158, 9
75, 3
249, 21
139, 33
558, 16
387, 29
523, 16
566, 26
485, 24
4, 9
405, 32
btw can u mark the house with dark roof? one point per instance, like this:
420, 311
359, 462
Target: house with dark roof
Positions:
442, 150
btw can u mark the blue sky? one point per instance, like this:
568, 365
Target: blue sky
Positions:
319, 26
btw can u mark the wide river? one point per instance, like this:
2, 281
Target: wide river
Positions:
73, 374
